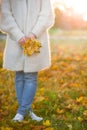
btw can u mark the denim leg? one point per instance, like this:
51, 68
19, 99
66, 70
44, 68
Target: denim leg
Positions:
19, 85
30, 86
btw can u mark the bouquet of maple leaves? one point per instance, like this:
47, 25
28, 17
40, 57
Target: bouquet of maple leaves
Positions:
31, 47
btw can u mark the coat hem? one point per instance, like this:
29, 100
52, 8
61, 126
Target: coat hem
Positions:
33, 70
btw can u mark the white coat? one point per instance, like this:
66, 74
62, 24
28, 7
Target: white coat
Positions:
20, 18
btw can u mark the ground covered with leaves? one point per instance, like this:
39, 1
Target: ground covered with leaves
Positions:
61, 98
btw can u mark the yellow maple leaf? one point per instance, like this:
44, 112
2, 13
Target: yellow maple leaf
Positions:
79, 99
47, 123
60, 111
79, 118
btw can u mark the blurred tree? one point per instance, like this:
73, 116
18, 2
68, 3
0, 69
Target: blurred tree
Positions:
65, 18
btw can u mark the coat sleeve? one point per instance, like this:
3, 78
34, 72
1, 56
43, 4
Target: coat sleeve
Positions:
45, 19
8, 23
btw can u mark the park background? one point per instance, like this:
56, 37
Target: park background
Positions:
61, 98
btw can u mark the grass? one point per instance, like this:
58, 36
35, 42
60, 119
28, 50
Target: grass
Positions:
61, 98
75, 33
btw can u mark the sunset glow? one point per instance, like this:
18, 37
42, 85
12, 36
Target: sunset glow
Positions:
78, 6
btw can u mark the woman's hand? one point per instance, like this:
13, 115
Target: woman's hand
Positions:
22, 40
31, 36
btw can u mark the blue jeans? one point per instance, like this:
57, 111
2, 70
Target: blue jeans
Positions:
26, 85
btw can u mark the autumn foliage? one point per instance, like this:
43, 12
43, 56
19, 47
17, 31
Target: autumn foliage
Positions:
31, 47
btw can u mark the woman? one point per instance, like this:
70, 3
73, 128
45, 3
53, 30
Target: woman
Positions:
22, 19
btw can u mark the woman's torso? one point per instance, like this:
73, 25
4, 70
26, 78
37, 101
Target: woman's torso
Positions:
25, 13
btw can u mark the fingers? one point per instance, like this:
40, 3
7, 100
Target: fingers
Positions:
22, 40
31, 36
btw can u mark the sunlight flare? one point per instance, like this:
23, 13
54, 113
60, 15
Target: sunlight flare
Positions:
79, 7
